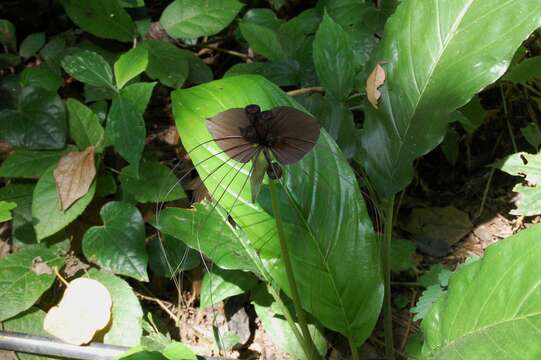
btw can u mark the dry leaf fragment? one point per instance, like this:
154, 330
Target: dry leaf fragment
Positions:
373, 83
74, 175
84, 309
40, 267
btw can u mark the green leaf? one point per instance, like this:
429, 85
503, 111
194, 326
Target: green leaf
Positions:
335, 231
473, 115
168, 256
37, 123
90, 68
84, 126
103, 18
167, 63
7, 34
338, 121
186, 19
7, 60
263, 17
132, 3
221, 284
28, 322
31, 44
41, 76
129, 65
126, 328
48, 218
5, 210
491, 309
20, 286
53, 49
402, 252
532, 134
106, 185
153, 183
527, 166
118, 245
178, 351
425, 302
346, 13
263, 40
126, 130
334, 58
281, 72
422, 89
22, 230
138, 94
29, 164
527, 71
450, 146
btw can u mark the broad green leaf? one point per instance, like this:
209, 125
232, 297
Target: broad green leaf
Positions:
84, 126
221, 284
132, 3
53, 49
281, 72
22, 230
153, 183
188, 19
28, 322
129, 65
126, 313
5, 210
31, 44
473, 115
126, 130
7, 34
344, 12
334, 58
422, 89
41, 76
263, 40
103, 18
100, 108
167, 63
527, 166
532, 134
335, 232
177, 350
46, 213
29, 164
402, 252
264, 17
138, 94
528, 70
38, 121
98, 93
338, 121
118, 245
167, 256
492, 306
21, 285
90, 68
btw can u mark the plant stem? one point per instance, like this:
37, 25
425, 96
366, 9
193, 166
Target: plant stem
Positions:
386, 262
289, 272
354, 351
304, 91
506, 113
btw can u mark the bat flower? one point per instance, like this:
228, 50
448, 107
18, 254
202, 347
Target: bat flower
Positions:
282, 133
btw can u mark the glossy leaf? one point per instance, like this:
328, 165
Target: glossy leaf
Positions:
31, 44
186, 19
491, 309
118, 245
422, 89
167, 256
263, 40
221, 284
90, 68
127, 315
338, 121
7, 34
37, 123
167, 63
20, 286
138, 94
334, 58
29, 164
130, 64
321, 243
84, 126
48, 218
103, 18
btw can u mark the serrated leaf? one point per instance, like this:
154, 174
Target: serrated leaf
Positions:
424, 304
422, 89
167, 63
46, 213
7, 34
491, 308
103, 18
118, 245
186, 19
129, 65
37, 123
333, 58
29, 164
84, 126
221, 284
127, 314
90, 68
20, 287
32, 44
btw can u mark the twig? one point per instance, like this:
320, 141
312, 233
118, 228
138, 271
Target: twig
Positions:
226, 51
509, 128
157, 301
304, 91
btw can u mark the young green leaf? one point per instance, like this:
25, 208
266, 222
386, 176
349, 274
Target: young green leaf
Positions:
334, 58
186, 19
31, 44
7, 34
5, 210
129, 65
21, 284
84, 126
90, 68
103, 18
118, 245
221, 284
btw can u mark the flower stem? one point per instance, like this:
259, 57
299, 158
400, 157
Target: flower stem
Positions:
354, 351
386, 262
301, 317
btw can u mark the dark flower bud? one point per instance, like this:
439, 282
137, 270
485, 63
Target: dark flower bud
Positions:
274, 171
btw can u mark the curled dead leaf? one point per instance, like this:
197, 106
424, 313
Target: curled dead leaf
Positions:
373, 83
84, 309
74, 175
40, 267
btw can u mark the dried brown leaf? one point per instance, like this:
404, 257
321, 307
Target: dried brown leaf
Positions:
74, 175
373, 83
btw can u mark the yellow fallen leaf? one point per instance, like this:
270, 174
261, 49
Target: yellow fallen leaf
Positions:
84, 309
373, 83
